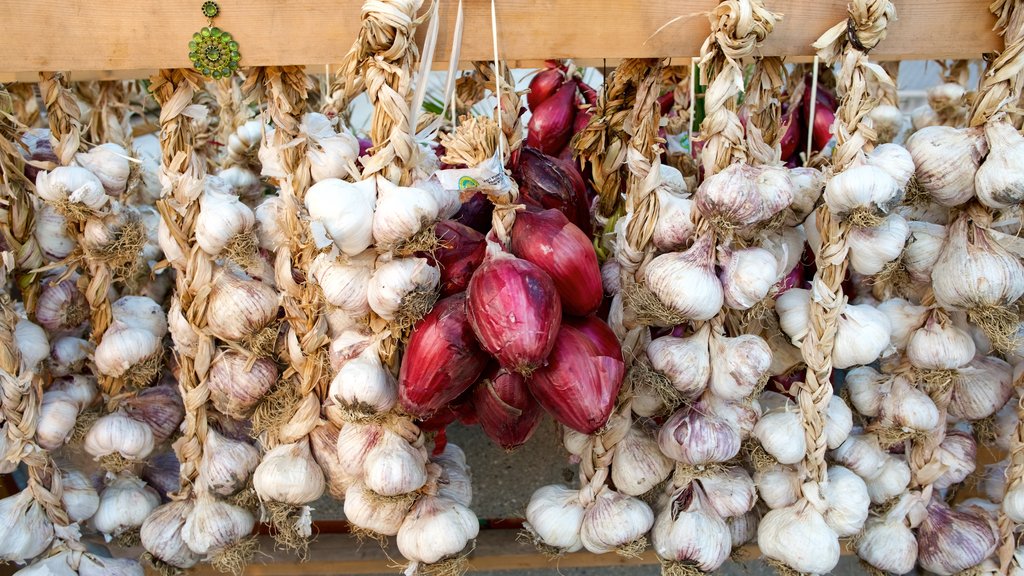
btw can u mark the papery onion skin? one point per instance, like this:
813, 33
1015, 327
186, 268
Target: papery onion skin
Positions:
515, 312
546, 182
550, 127
505, 409
461, 252
561, 249
442, 359
580, 384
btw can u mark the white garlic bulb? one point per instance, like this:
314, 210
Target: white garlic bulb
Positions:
392, 466
288, 473
239, 307
974, 271
161, 534
244, 140
57, 415
56, 565
51, 233
71, 185
847, 499
401, 213
614, 520
343, 212
939, 345
862, 336
686, 362
637, 464
781, 433
981, 388
124, 347
895, 160
866, 388
394, 281
270, 223
686, 282
904, 318
60, 306
742, 195
747, 275
118, 433
79, 498
32, 343
687, 530
226, 464
354, 442
952, 540
235, 387
872, 248
25, 531
454, 482
243, 183
80, 388
363, 384
818, 552
554, 516
344, 282
214, 524
863, 187
697, 437
999, 181
674, 227
124, 504
862, 454
778, 486
109, 162
887, 543
330, 154
730, 492
365, 510
222, 217
91, 565
922, 250
890, 481
738, 365
808, 184
436, 528
947, 161
140, 312
909, 408
838, 422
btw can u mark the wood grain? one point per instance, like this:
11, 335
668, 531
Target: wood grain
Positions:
103, 37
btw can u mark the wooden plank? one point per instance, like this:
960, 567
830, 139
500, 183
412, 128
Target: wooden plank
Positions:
107, 36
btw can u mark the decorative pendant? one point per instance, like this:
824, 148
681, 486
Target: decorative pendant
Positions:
213, 52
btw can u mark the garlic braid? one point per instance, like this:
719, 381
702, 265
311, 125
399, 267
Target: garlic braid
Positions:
232, 113
604, 142
385, 55
16, 192
763, 101
511, 131
179, 207
852, 39
110, 117
63, 115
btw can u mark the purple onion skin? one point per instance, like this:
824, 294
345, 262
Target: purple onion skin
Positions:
505, 409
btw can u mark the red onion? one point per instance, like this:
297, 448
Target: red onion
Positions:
505, 410
475, 212
790, 142
515, 312
441, 360
547, 182
543, 86
550, 127
462, 250
562, 250
824, 117
589, 94
439, 420
580, 384
583, 116
599, 334
665, 101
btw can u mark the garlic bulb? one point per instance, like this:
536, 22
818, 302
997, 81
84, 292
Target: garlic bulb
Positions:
61, 306
73, 186
696, 438
686, 362
890, 481
922, 250
392, 466
57, 415
687, 530
951, 540
866, 388
863, 187
364, 385
436, 528
343, 212
738, 365
344, 282
109, 162
888, 544
68, 355
862, 454
226, 464
222, 217
239, 308
234, 390
330, 154
214, 524
781, 433
778, 486
614, 520
974, 271
124, 504
270, 217
243, 183
289, 474
323, 443
729, 492
947, 161
32, 343
956, 456
1013, 503
904, 318
401, 213
381, 516
394, 281
674, 227
140, 312
80, 389
742, 195
838, 422
51, 233
895, 160
909, 408
847, 498
79, 498
349, 344
123, 348
555, 516
999, 181
354, 442
781, 529
808, 184
862, 336
91, 565
637, 464
794, 308
244, 140
454, 482
57, 565
118, 433
25, 531
939, 345
872, 248
686, 282
743, 529
747, 275
981, 388
161, 534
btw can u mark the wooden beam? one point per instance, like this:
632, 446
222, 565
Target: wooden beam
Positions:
117, 38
